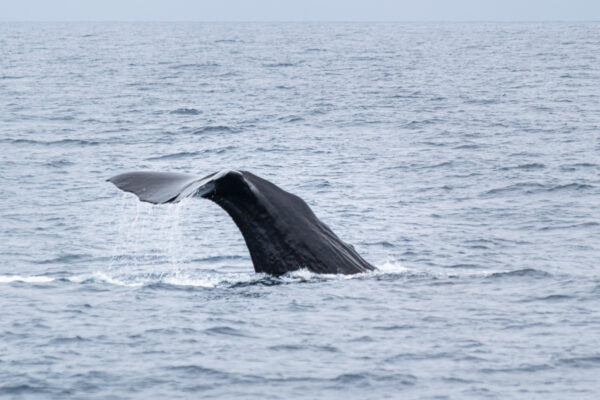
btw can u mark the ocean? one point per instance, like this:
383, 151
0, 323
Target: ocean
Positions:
461, 159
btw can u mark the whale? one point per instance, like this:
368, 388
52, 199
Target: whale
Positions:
280, 230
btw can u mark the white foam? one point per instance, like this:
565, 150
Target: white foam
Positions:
113, 280
208, 280
392, 267
26, 279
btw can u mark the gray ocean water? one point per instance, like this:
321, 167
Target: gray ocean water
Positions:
463, 160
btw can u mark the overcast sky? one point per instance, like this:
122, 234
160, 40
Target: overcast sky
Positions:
299, 10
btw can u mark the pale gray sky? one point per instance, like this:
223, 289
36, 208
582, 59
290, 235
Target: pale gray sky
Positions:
299, 10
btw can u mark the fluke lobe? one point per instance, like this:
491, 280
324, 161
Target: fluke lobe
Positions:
281, 231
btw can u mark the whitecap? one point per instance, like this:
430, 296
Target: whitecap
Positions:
26, 279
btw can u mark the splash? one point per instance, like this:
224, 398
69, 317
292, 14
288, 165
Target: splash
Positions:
149, 239
392, 267
127, 277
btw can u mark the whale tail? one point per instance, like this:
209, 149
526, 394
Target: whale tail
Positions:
281, 231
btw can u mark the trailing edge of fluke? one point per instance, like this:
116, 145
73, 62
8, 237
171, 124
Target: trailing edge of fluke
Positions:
281, 231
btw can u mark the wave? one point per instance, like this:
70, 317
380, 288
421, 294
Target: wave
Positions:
197, 370
207, 278
304, 347
465, 266
22, 389
592, 361
551, 298
526, 167
363, 379
413, 95
470, 146
534, 187
515, 187
25, 279
63, 259
213, 259
186, 111
421, 123
519, 369
225, 330
439, 165
214, 128
62, 142
67, 340
279, 65
525, 272
570, 186
291, 118
187, 154
195, 66
58, 163
175, 156
381, 243
585, 165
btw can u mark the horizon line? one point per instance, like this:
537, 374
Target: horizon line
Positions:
307, 21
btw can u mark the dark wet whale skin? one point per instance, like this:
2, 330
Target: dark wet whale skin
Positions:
281, 231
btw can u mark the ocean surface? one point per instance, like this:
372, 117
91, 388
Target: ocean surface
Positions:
463, 160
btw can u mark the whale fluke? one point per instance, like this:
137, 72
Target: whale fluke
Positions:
281, 231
